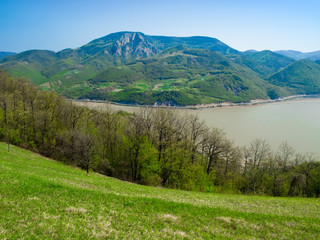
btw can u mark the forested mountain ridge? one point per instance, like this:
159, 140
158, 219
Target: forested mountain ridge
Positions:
297, 55
5, 54
301, 77
131, 67
270, 60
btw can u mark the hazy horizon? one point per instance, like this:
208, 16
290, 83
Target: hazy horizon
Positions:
259, 25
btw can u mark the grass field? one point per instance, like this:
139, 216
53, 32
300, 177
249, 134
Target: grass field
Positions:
44, 199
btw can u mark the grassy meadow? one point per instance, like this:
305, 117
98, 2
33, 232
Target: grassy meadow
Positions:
44, 199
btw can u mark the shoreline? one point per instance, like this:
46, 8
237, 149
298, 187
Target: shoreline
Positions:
205, 106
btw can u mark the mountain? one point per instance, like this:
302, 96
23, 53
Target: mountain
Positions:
179, 77
272, 61
120, 47
300, 55
73, 66
29, 64
4, 54
132, 67
251, 51
76, 72
264, 63
301, 77
196, 42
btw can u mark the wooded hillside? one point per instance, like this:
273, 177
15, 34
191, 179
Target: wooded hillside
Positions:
156, 147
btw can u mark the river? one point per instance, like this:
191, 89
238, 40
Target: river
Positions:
295, 121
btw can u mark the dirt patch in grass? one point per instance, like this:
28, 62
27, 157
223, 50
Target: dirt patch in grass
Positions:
76, 210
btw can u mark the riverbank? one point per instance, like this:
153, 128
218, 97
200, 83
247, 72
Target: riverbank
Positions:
254, 102
98, 103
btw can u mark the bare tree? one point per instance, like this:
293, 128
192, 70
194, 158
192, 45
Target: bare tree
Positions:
135, 133
258, 153
196, 130
285, 155
214, 144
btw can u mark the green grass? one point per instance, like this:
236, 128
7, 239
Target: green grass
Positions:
23, 70
44, 199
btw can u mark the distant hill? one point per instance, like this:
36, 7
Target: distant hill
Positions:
273, 61
30, 64
265, 63
301, 77
135, 68
4, 54
196, 42
300, 55
251, 51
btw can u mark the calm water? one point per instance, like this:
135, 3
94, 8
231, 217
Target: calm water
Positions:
297, 122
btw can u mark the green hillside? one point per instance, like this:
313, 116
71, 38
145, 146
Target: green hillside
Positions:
38, 59
5, 54
196, 42
26, 71
44, 199
134, 68
68, 71
301, 77
273, 62
29, 64
180, 77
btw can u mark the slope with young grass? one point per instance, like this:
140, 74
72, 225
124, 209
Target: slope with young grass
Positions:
44, 199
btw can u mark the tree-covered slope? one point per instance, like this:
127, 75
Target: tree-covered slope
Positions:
300, 55
5, 54
196, 42
301, 77
179, 76
272, 61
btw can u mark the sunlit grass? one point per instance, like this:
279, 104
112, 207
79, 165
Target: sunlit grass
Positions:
44, 199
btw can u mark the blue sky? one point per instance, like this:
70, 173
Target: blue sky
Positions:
242, 24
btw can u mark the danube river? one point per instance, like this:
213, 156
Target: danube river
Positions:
296, 121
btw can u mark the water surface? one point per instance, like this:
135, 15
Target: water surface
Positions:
296, 121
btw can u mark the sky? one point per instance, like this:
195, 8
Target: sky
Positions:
241, 24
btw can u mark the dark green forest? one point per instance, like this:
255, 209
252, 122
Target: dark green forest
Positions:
156, 146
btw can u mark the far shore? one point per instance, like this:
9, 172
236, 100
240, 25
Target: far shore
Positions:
97, 103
